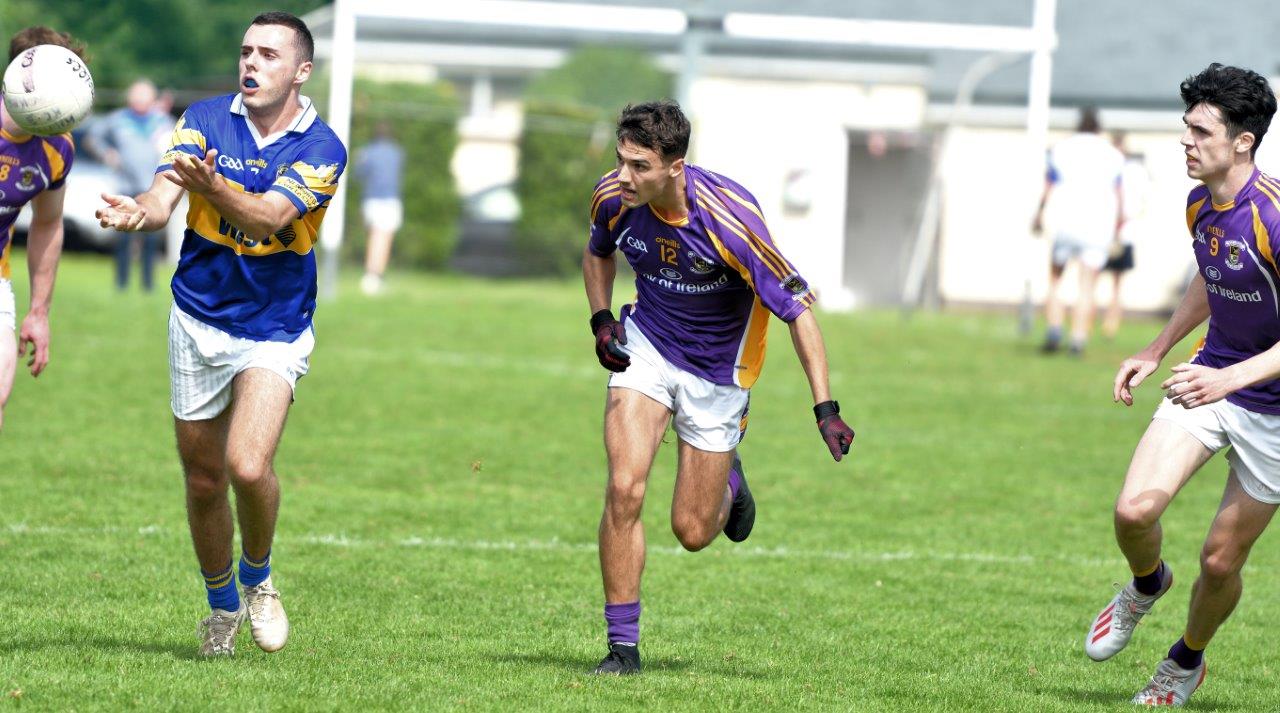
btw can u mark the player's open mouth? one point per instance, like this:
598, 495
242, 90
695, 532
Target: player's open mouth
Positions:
628, 195
249, 84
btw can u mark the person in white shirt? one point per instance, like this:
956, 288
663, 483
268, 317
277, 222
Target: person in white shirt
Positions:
1081, 205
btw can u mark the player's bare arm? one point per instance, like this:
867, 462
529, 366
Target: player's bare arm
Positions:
598, 274
147, 212
1191, 312
257, 215
806, 337
44, 245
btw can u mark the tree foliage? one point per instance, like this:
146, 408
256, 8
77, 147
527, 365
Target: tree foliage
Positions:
567, 144
423, 119
181, 44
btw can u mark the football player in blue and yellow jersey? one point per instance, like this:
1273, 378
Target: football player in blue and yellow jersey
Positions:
32, 170
259, 168
1227, 397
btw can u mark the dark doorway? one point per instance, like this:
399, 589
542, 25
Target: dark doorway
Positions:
888, 182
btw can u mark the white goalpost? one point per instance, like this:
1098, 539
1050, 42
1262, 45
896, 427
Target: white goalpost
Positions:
1038, 41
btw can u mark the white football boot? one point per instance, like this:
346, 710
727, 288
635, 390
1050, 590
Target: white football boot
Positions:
267, 621
217, 632
1171, 686
1113, 627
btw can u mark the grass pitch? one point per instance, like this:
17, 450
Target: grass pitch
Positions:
443, 473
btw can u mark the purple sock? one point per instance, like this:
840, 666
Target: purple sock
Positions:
624, 622
1150, 584
1185, 656
735, 482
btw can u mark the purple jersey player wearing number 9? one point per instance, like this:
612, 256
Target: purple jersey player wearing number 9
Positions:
1226, 398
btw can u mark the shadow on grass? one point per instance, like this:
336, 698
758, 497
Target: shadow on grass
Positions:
74, 642
1117, 699
564, 662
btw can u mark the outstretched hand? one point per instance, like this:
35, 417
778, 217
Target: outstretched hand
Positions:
120, 213
195, 175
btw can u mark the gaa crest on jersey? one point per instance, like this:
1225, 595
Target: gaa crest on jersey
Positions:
28, 182
794, 284
700, 265
637, 244
1234, 249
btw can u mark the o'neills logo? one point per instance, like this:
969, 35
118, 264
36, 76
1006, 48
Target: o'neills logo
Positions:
1255, 296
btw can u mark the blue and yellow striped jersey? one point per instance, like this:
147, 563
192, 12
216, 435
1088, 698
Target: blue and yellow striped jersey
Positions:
256, 289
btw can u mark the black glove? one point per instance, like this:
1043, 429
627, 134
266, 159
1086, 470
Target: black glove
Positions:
609, 334
834, 430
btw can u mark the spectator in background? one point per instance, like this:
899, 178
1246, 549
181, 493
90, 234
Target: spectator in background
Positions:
378, 168
1134, 181
1082, 204
130, 140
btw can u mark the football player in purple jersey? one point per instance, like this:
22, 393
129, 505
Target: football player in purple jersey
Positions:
1226, 397
33, 169
708, 275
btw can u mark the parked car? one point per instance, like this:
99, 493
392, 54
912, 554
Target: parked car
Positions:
89, 179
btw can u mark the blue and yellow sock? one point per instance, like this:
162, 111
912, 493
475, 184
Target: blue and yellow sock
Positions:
221, 588
254, 572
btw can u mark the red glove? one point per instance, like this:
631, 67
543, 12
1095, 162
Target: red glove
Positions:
834, 430
609, 334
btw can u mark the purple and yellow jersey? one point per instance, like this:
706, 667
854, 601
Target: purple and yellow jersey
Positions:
1236, 246
255, 289
705, 283
27, 167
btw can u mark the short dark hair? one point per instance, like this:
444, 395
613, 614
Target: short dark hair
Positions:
305, 43
659, 126
1089, 123
1243, 96
29, 37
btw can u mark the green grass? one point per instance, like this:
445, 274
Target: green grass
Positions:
442, 474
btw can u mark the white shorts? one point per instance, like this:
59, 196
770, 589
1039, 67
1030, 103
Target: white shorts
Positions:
203, 360
1254, 439
8, 308
383, 213
1091, 254
706, 415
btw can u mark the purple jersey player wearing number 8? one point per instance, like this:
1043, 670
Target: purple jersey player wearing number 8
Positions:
1227, 397
33, 169
707, 275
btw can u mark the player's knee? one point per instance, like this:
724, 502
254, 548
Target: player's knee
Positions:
693, 533
205, 484
248, 471
624, 497
1220, 564
1136, 516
